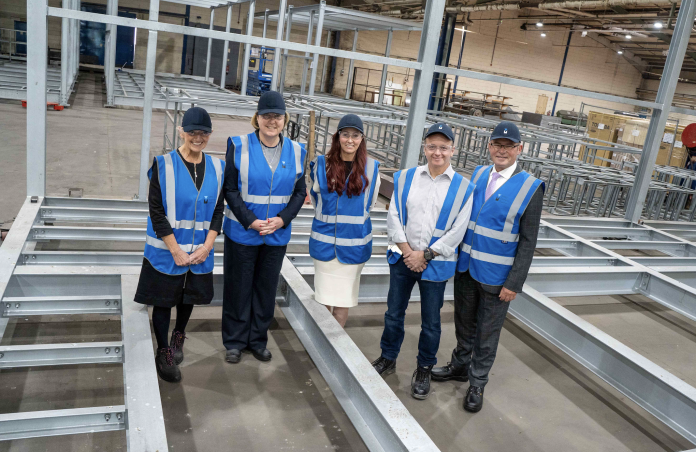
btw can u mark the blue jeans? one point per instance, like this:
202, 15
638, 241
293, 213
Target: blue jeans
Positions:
401, 282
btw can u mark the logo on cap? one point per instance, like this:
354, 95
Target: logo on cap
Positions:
440, 127
505, 131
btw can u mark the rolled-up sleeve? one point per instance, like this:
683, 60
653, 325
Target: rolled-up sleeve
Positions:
448, 243
395, 232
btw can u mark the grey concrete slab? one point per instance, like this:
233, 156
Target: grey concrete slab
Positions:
537, 398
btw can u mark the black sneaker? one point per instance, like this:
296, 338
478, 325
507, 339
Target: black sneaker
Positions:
449, 372
384, 366
262, 354
473, 402
420, 382
166, 368
177, 346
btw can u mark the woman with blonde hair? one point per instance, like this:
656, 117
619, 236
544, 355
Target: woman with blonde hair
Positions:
345, 188
265, 189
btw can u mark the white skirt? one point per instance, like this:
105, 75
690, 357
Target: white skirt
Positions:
337, 284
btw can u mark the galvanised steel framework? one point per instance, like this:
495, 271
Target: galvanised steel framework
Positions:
586, 266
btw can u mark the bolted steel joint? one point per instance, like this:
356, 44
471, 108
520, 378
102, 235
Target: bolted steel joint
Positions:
107, 417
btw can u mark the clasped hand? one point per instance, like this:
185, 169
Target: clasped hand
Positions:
415, 261
183, 259
269, 226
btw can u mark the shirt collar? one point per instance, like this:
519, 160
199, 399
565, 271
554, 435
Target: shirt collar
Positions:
507, 172
449, 172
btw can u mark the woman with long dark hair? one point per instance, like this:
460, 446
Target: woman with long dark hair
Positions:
345, 185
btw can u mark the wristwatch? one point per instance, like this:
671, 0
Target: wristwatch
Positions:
428, 255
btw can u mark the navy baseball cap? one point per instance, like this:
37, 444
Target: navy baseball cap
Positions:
442, 128
196, 118
271, 102
350, 120
506, 129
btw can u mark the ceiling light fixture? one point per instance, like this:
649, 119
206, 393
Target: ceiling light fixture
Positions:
583, 34
543, 35
657, 25
620, 52
628, 36
540, 24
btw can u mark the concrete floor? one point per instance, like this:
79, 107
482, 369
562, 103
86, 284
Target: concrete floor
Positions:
537, 400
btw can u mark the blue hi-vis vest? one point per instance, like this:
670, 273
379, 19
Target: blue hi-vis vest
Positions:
490, 243
188, 210
264, 192
341, 227
440, 268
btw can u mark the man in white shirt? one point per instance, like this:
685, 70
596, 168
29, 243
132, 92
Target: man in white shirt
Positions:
428, 216
494, 261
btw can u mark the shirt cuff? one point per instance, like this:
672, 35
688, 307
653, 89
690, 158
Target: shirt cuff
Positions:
442, 249
398, 236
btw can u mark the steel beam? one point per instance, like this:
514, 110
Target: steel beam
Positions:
16, 356
36, 424
310, 30
57, 305
317, 43
147, 101
142, 396
658, 120
322, 86
247, 47
383, 82
422, 82
653, 388
110, 53
64, 55
378, 415
279, 36
225, 51
284, 63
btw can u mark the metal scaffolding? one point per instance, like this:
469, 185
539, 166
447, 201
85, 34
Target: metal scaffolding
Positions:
34, 280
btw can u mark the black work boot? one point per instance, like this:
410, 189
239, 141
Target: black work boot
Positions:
450, 372
473, 402
177, 346
384, 366
166, 368
262, 354
420, 382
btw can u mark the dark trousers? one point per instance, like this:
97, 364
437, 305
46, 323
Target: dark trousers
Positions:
401, 282
251, 281
479, 315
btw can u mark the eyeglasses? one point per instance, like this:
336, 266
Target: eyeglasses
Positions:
198, 133
353, 136
504, 147
434, 147
272, 117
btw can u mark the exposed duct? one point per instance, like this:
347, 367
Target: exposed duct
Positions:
557, 5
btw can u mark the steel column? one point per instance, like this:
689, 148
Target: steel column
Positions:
265, 23
279, 37
322, 87
210, 45
284, 64
225, 50
310, 29
65, 47
317, 42
147, 101
383, 82
247, 47
110, 53
560, 77
37, 43
665, 95
351, 66
422, 82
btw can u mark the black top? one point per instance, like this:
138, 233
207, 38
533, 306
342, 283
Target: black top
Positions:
234, 197
349, 167
159, 219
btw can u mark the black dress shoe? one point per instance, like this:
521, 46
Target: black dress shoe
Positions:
450, 372
262, 354
166, 367
233, 356
384, 366
473, 402
420, 382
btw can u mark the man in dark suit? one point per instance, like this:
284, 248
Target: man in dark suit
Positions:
495, 257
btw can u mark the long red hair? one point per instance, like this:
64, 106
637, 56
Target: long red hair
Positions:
336, 169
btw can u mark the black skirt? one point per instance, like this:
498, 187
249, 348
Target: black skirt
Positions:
158, 289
